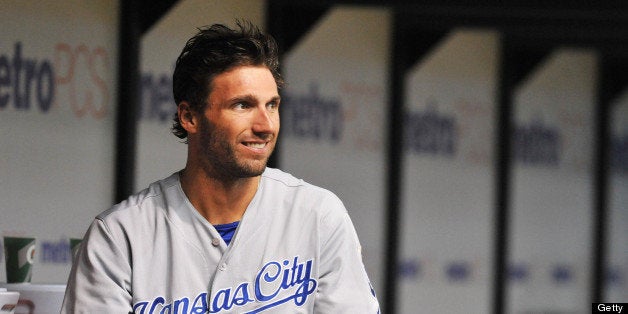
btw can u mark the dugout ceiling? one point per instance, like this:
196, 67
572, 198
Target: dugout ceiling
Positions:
532, 28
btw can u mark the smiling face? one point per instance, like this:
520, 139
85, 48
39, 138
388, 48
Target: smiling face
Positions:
238, 129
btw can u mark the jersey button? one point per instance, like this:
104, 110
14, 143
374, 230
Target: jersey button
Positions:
215, 242
223, 266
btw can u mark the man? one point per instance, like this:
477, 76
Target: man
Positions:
226, 234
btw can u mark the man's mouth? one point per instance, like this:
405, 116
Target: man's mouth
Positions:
256, 145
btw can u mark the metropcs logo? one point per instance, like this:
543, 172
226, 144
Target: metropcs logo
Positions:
77, 73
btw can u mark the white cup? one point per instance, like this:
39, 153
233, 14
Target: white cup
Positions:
46, 298
8, 301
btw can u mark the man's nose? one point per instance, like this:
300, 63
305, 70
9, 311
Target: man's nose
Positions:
264, 121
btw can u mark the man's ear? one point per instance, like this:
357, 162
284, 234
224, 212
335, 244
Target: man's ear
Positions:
187, 117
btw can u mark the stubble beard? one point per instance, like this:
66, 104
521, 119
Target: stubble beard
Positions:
221, 159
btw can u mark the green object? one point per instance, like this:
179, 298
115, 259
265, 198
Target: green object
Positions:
19, 255
74, 246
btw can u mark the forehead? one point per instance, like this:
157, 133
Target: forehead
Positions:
244, 80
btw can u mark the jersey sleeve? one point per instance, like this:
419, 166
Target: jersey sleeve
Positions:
343, 285
100, 278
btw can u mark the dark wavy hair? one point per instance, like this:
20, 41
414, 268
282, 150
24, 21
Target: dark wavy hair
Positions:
214, 50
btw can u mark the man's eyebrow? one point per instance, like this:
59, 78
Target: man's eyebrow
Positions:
252, 98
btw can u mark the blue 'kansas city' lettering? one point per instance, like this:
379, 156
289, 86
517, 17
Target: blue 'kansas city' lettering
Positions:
276, 283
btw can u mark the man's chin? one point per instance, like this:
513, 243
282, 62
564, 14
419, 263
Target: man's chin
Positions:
252, 170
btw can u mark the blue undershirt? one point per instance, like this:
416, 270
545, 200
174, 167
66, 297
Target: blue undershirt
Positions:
227, 231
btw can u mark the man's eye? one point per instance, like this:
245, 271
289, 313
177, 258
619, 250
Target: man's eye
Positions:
240, 106
272, 105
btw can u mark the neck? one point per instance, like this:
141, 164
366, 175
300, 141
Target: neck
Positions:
219, 200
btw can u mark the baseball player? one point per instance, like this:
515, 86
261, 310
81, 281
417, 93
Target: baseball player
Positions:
226, 234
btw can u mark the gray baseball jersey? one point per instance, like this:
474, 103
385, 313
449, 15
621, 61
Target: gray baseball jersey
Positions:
295, 251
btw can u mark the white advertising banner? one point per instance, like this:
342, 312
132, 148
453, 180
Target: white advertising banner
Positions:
57, 124
447, 191
334, 110
617, 230
552, 187
159, 152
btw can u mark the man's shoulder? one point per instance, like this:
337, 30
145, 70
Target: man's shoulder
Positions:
292, 184
143, 202
281, 177
289, 181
